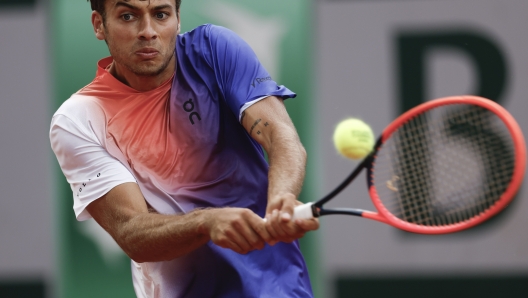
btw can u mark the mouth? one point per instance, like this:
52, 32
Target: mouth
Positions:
147, 53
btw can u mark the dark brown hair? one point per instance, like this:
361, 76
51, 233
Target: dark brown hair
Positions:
99, 6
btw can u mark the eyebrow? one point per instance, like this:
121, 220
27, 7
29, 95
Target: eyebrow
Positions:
120, 3
164, 6
159, 7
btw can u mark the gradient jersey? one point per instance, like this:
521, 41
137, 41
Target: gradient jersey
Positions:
182, 143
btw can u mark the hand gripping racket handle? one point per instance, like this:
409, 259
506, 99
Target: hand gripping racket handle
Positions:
304, 211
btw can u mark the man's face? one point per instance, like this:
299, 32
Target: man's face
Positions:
140, 34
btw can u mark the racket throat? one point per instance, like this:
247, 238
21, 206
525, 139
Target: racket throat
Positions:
343, 211
316, 211
354, 212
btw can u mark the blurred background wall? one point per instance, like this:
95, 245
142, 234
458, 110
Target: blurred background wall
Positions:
370, 59
27, 258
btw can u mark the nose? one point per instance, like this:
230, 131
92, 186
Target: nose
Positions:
146, 30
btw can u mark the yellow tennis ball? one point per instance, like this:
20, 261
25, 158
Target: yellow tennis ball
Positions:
353, 138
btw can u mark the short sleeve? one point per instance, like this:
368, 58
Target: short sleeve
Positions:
90, 170
240, 75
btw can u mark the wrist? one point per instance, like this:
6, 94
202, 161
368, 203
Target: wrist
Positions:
204, 221
282, 196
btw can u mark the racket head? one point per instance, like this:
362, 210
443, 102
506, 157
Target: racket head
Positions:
396, 200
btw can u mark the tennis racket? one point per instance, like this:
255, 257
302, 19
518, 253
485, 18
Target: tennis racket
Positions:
444, 166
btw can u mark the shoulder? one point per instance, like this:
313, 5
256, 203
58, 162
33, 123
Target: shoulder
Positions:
211, 37
80, 107
208, 31
80, 115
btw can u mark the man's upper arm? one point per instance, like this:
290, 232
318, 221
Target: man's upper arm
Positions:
116, 207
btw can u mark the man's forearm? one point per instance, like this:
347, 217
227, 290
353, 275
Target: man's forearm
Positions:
268, 123
287, 159
151, 237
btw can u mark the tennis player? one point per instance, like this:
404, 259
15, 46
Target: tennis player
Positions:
164, 150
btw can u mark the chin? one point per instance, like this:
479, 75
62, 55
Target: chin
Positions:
151, 67
150, 70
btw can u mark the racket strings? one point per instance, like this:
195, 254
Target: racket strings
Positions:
445, 166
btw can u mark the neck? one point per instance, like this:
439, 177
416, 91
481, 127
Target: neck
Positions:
139, 82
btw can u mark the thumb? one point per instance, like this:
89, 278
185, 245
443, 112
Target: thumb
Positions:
287, 208
273, 205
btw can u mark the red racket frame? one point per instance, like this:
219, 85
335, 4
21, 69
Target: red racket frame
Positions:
383, 215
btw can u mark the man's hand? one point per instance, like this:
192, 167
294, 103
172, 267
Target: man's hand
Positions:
279, 223
238, 229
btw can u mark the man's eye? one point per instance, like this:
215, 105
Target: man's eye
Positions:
161, 15
126, 17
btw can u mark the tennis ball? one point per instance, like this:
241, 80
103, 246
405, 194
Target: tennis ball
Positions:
353, 138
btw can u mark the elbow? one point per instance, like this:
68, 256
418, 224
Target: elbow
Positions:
143, 257
140, 253
134, 254
133, 249
136, 257
150, 255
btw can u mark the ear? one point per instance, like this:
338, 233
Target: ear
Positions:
97, 22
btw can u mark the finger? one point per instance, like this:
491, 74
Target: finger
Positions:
287, 209
244, 228
308, 224
285, 217
272, 205
274, 235
286, 231
295, 236
259, 227
256, 234
236, 248
292, 236
234, 235
292, 229
242, 244
277, 226
227, 243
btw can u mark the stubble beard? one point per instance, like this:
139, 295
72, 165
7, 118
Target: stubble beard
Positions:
149, 71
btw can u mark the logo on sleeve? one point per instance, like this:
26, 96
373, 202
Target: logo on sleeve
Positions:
188, 106
85, 184
260, 80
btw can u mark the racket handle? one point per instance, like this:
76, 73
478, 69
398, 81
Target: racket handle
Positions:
303, 211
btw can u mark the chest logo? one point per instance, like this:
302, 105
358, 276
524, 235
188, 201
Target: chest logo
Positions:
188, 106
